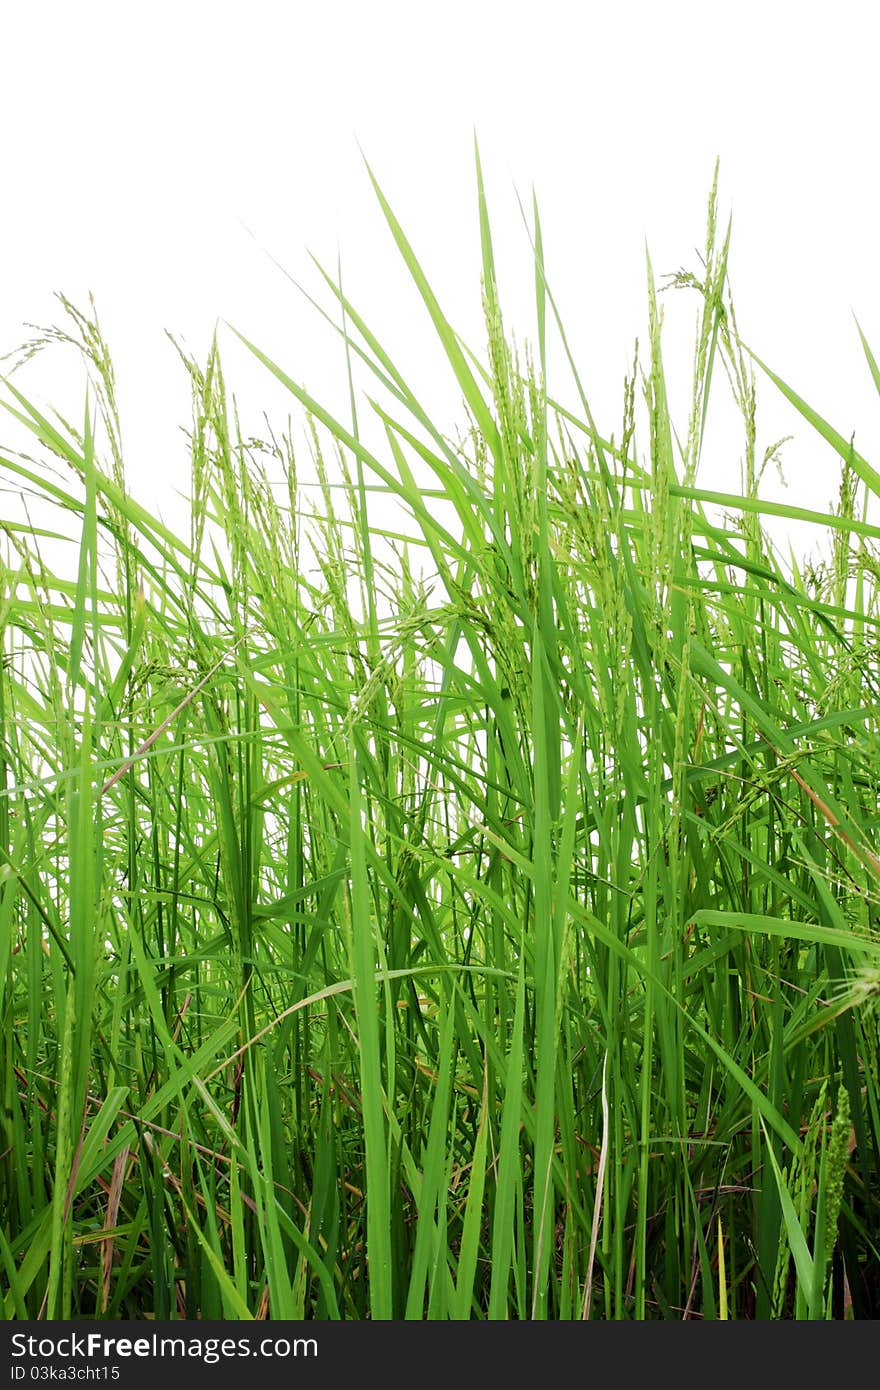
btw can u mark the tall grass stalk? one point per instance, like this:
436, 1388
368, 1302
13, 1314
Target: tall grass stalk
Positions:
455, 897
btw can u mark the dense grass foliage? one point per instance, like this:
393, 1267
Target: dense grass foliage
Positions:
463, 910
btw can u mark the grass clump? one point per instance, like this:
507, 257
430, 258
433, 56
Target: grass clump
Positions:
468, 915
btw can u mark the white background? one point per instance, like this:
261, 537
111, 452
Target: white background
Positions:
154, 154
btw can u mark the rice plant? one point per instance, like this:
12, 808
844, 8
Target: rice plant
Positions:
448, 891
